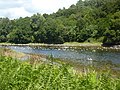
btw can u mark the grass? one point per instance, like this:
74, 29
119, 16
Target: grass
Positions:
17, 75
11, 53
83, 44
66, 43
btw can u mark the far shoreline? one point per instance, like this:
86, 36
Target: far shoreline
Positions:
67, 44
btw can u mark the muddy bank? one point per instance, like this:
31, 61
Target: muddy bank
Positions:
32, 58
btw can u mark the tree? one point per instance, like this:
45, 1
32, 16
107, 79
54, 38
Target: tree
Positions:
5, 28
87, 20
18, 36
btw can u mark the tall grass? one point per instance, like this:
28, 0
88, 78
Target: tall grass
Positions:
16, 75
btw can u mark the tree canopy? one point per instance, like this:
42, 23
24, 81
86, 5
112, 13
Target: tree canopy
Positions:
88, 20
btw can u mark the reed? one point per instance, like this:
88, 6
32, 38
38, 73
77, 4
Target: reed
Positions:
17, 75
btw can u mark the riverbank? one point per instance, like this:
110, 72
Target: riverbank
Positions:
30, 58
10, 53
67, 44
78, 67
36, 73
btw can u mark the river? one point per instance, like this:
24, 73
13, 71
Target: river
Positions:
77, 54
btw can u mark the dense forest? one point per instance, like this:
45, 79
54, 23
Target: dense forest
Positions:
87, 21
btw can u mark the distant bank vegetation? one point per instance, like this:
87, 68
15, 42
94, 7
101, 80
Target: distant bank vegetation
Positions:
87, 21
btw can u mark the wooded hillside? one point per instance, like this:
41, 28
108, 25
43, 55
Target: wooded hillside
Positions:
89, 20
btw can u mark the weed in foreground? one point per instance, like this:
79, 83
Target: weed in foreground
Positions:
18, 75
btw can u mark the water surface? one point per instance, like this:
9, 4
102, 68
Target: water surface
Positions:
77, 54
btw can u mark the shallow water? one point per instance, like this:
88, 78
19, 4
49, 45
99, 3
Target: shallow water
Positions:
84, 55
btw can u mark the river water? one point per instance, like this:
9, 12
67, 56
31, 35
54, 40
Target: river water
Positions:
77, 54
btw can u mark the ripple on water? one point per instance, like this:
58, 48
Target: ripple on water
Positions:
96, 53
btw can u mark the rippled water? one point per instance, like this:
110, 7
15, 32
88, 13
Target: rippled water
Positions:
78, 54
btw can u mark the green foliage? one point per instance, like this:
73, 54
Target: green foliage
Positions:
5, 28
95, 19
21, 32
18, 36
20, 76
